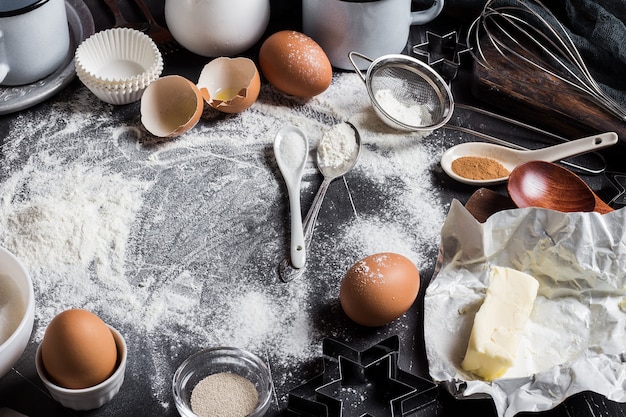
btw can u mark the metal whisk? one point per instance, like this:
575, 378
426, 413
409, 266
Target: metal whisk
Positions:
530, 37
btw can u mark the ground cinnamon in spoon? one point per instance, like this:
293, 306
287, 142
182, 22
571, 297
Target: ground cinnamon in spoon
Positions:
479, 168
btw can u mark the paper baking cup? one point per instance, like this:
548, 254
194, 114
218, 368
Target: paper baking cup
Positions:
118, 62
118, 97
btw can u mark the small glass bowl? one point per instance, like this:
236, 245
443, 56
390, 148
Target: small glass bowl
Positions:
221, 359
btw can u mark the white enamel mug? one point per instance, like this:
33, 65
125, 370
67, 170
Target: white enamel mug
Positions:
371, 27
216, 28
34, 39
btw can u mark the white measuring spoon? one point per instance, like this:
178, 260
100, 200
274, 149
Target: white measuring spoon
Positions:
330, 173
510, 158
291, 148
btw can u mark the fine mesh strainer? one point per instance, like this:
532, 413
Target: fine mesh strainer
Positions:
406, 93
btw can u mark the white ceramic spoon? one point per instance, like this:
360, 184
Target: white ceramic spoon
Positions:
510, 158
291, 148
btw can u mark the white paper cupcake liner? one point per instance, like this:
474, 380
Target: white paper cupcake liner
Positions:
118, 62
118, 98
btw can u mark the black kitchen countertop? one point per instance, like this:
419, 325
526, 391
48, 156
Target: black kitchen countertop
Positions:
21, 388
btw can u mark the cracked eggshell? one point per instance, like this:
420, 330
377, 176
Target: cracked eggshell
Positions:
230, 85
170, 106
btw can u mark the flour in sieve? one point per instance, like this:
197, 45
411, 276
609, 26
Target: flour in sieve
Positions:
415, 114
176, 243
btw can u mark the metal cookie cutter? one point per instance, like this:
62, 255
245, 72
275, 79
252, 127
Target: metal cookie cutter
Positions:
362, 383
442, 52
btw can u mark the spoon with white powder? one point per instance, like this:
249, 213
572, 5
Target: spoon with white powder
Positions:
291, 147
337, 154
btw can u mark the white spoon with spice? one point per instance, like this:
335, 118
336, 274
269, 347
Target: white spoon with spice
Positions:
481, 163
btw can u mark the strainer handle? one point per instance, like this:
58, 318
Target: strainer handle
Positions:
356, 67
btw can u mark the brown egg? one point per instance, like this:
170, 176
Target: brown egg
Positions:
170, 106
379, 288
230, 85
78, 350
295, 64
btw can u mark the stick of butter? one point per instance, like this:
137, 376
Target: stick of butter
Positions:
499, 323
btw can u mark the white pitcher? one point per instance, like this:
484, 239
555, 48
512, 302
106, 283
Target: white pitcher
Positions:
216, 28
371, 27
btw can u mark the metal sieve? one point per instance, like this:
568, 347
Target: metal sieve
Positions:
406, 93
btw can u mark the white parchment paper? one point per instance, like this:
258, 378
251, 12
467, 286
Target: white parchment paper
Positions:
576, 337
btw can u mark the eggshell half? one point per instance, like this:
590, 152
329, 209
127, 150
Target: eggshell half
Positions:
78, 350
230, 85
170, 106
379, 288
295, 64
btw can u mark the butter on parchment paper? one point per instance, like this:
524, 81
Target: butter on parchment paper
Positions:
500, 322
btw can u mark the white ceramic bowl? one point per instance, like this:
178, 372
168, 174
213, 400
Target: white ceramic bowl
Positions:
13, 347
118, 64
92, 397
221, 359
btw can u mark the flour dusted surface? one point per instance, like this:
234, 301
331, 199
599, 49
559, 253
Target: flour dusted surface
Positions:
176, 243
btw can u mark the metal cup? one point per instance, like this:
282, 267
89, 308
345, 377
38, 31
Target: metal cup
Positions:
34, 39
372, 27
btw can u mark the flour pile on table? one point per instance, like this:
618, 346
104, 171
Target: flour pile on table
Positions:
176, 243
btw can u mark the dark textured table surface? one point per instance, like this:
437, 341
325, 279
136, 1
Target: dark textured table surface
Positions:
181, 249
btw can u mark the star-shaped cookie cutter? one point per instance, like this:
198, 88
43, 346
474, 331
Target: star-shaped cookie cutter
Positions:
442, 52
361, 383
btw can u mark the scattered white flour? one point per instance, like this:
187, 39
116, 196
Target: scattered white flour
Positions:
414, 114
337, 146
69, 217
176, 243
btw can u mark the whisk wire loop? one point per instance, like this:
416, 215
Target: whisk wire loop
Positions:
530, 37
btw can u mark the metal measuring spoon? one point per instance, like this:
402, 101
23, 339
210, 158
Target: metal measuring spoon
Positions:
511, 158
285, 270
291, 147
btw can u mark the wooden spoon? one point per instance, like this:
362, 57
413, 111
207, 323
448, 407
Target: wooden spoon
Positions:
548, 185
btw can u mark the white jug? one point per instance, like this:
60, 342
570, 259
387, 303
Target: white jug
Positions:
216, 28
371, 27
